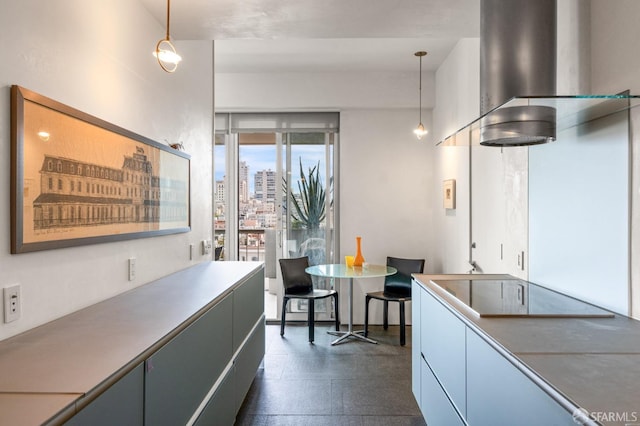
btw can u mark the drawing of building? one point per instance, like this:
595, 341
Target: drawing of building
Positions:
75, 193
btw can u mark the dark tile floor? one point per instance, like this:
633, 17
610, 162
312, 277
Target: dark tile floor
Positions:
355, 383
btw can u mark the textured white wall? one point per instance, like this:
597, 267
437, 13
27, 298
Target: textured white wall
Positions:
96, 57
457, 104
320, 91
385, 195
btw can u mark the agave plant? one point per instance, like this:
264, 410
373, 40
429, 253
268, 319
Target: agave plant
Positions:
309, 202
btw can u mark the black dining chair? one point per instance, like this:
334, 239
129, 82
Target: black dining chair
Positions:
299, 285
397, 288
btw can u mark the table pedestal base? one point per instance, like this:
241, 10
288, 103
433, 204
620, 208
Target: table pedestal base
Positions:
344, 335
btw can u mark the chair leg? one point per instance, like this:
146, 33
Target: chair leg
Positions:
402, 324
336, 307
284, 314
311, 307
386, 315
366, 316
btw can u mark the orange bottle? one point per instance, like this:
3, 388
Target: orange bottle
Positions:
359, 260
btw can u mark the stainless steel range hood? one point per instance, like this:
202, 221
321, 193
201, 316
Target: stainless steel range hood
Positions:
518, 101
517, 58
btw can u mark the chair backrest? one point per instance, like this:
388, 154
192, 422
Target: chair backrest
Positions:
400, 283
294, 277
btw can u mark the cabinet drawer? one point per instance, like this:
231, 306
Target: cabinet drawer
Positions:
121, 404
499, 393
443, 344
434, 404
248, 306
220, 409
247, 363
179, 376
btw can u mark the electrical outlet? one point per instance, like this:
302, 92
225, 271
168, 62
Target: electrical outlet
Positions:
132, 269
207, 246
12, 303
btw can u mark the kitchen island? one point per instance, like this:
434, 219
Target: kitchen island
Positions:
575, 367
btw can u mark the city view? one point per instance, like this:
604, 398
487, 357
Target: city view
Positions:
257, 208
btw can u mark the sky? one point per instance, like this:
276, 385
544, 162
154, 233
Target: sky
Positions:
263, 157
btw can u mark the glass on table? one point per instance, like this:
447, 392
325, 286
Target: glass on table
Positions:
348, 260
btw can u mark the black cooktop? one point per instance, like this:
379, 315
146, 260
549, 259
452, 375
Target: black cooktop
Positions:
517, 298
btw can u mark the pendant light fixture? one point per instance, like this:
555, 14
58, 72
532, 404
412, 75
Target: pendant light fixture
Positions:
165, 52
420, 130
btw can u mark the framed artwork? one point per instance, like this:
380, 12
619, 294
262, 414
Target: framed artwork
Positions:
76, 179
449, 194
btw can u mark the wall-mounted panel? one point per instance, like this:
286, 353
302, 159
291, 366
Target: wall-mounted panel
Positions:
579, 212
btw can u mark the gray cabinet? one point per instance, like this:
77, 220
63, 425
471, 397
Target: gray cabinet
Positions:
499, 393
121, 404
247, 363
248, 307
229, 396
201, 375
181, 373
220, 408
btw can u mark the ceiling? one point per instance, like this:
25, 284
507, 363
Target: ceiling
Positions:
322, 35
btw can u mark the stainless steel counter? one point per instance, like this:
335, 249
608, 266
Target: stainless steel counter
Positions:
47, 369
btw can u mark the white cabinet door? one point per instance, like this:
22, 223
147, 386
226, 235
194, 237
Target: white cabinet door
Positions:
442, 341
500, 394
416, 291
434, 404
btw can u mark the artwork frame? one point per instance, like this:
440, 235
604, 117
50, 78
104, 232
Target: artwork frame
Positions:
78, 180
449, 194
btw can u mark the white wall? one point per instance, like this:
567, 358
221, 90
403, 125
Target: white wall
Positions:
457, 104
96, 57
321, 91
385, 195
385, 173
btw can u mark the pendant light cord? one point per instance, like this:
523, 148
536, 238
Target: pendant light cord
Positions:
420, 92
420, 131
169, 18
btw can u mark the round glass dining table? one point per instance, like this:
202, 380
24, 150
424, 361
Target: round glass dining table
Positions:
342, 271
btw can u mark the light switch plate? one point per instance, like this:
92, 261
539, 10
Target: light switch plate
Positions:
132, 269
207, 246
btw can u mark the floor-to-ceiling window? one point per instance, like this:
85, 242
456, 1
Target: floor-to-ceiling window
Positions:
276, 194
